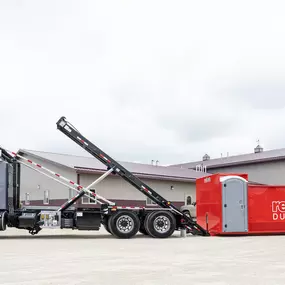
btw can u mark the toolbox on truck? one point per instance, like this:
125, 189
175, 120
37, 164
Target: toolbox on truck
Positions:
88, 219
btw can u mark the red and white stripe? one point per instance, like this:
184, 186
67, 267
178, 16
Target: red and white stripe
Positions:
82, 141
128, 207
104, 157
63, 178
146, 190
53, 178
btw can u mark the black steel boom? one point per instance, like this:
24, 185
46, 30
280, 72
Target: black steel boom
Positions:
69, 130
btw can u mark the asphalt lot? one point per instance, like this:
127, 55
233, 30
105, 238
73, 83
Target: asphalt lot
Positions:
72, 257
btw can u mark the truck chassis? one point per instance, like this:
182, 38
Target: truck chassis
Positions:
121, 222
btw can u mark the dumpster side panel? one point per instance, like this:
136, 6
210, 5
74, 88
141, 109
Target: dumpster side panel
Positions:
266, 208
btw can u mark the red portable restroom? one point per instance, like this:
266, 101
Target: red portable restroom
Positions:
227, 204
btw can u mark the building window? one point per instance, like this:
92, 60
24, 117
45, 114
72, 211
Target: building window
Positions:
188, 200
46, 197
27, 199
87, 200
71, 193
150, 202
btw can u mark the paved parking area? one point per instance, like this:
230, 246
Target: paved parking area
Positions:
72, 257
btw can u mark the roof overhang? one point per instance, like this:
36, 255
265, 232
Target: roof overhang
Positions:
81, 170
240, 163
212, 164
25, 152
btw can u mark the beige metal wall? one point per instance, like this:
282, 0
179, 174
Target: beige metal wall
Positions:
117, 188
112, 187
267, 173
31, 180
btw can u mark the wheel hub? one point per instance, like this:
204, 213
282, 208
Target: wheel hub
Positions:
162, 224
125, 224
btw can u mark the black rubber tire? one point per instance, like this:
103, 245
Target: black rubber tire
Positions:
105, 224
113, 227
107, 227
149, 224
3, 221
142, 230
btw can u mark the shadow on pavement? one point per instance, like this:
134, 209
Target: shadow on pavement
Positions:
71, 236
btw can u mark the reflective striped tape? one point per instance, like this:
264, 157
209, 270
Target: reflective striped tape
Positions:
63, 178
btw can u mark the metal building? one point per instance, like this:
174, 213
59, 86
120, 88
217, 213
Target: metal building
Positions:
175, 184
264, 167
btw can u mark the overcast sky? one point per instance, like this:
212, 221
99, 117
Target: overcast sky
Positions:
143, 80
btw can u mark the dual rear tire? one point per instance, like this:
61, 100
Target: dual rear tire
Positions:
160, 224
126, 224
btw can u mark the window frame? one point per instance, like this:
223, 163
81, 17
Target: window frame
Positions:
89, 201
46, 199
27, 198
152, 203
186, 200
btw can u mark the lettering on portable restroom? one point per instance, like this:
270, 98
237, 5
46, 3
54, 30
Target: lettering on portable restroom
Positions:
278, 210
207, 180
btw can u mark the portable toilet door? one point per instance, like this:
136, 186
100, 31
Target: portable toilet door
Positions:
234, 204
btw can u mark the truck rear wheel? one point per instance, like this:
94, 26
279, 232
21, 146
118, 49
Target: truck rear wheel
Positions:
3, 221
106, 228
160, 224
142, 230
105, 224
124, 224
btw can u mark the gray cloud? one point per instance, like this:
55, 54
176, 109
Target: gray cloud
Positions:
151, 80
261, 94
